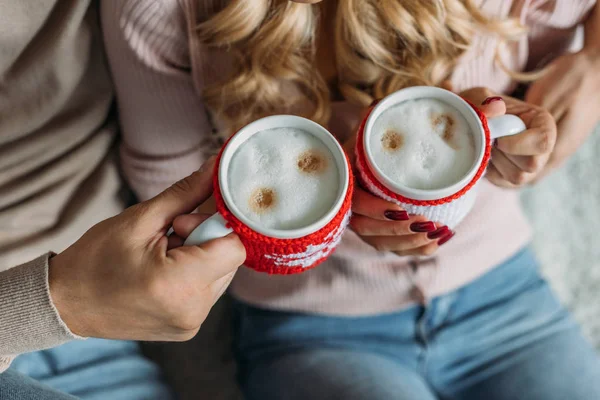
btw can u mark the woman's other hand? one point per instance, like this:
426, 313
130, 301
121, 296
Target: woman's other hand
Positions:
570, 90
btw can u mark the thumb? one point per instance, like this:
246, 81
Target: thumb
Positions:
182, 197
212, 260
493, 106
486, 100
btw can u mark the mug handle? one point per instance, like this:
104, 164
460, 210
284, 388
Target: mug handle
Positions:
505, 125
214, 227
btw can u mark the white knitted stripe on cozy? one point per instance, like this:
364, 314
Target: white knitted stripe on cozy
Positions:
450, 214
313, 253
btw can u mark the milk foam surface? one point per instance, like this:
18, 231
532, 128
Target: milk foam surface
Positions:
422, 144
283, 178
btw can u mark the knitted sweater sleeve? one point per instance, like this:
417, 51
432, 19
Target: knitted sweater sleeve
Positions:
165, 128
28, 319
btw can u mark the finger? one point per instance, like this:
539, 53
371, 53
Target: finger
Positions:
508, 170
534, 141
425, 251
368, 205
489, 102
397, 243
493, 107
531, 164
184, 225
174, 241
366, 226
518, 107
212, 260
496, 178
181, 198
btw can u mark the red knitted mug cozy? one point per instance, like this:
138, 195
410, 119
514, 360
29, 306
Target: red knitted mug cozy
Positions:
448, 210
286, 256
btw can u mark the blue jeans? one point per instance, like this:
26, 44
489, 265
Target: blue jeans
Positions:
90, 369
502, 337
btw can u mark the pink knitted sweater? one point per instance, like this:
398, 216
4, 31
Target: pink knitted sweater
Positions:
160, 67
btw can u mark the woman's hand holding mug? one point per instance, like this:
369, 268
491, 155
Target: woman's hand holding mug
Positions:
522, 148
124, 279
387, 227
519, 159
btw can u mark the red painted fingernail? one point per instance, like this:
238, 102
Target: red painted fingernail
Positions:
490, 100
374, 102
445, 238
422, 227
438, 233
396, 215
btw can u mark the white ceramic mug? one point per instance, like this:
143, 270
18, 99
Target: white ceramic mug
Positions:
276, 250
448, 205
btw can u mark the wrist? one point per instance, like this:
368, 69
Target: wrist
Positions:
64, 298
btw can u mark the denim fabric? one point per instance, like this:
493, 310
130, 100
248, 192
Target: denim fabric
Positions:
90, 369
502, 337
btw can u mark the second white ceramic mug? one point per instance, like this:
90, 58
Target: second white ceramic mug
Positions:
450, 204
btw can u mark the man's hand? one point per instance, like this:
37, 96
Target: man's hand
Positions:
124, 279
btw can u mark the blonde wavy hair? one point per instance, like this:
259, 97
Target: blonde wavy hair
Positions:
380, 46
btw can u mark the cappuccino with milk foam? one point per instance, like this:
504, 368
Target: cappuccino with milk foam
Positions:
283, 178
422, 144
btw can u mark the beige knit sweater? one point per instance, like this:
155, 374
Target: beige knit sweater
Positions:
56, 175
